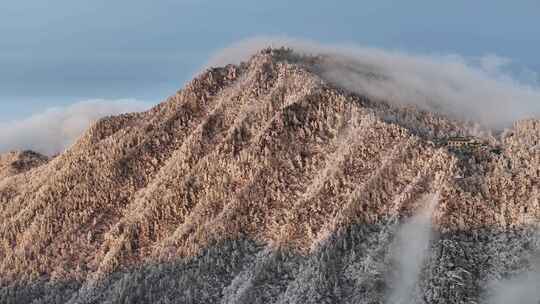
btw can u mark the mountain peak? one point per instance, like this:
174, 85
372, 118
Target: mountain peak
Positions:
267, 157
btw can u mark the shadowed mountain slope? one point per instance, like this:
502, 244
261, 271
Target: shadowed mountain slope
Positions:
264, 183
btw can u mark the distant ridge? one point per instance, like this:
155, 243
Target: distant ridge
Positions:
18, 162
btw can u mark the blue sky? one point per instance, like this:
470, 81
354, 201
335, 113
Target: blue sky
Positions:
54, 53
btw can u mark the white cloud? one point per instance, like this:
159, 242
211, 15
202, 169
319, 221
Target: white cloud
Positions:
55, 129
410, 249
522, 289
449, 84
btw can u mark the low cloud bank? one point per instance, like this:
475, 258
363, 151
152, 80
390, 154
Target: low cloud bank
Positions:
55, 129
480, 90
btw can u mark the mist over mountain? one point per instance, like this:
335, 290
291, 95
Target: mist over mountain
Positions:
485, 90
311, 175
481, 91
56, 129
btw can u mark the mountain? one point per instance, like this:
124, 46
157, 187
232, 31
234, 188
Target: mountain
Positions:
264, 182
18, 162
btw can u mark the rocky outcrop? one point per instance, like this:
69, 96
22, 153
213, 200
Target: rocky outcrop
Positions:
304, 182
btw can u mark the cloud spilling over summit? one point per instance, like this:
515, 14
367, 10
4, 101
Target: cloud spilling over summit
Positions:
55, 129
479, 90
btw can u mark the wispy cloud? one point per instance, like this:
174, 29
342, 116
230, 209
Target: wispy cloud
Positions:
55, 129
410, 249
523, 288
478, 90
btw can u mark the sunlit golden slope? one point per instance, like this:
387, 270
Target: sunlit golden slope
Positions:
265, 150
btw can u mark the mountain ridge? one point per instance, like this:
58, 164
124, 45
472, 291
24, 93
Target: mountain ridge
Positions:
266, 151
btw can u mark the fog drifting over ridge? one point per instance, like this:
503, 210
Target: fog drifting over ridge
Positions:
55, 129
480, 91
